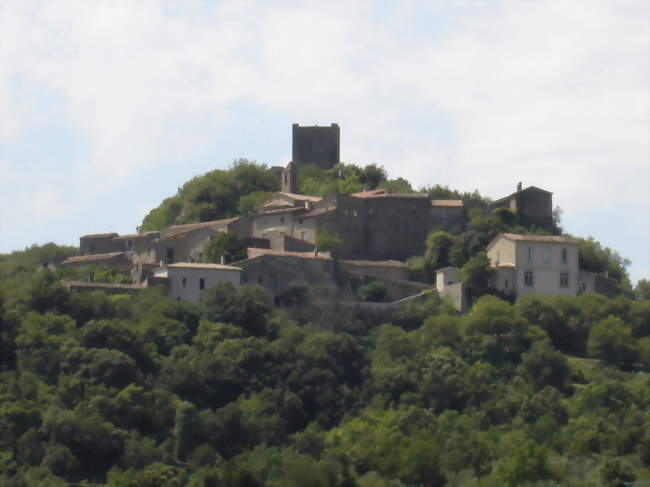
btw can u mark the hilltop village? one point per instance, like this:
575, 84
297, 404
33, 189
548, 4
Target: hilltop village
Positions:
375, 232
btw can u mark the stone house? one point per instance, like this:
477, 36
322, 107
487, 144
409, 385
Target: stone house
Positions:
533, 204
114, 260
189, 280
112, 242
98, 243
537, 264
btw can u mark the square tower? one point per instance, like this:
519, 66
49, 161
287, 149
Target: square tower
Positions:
318, 145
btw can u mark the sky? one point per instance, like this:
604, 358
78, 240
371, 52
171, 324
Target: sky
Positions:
108, 107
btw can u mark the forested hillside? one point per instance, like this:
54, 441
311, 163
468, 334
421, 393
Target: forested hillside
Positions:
146, 391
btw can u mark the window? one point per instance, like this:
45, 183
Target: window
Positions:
243, 278
371, 211
406, 226
565, 256
355, 213
129, 243
170, 256
444, 221
299, 221
274, 281
506, 284
531, 255
202, 284
528, 279
184, 281
281, 219
260, 280
547, 256
498, 258
303, 235
564, 279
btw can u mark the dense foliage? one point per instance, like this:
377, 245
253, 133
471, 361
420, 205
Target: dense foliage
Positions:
215, 195
147, 391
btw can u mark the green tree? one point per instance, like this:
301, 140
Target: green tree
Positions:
372, 291
246, 306
438, 246
476, 273
611, 340
227, 245
642, 289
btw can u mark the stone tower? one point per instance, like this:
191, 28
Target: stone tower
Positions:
289, 181
318, 145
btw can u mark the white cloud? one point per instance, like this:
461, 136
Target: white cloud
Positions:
474, 96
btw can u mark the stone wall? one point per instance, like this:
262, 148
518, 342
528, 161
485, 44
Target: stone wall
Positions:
318, 145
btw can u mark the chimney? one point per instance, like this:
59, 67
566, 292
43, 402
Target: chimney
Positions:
518, 186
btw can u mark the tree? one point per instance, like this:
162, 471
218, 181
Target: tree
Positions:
544, 365
227, 245
438, 246
611, 340
246, 306
642, 289
327, 241
476, 273
493, 332
372, 291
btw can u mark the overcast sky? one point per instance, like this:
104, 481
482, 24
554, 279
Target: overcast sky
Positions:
107, 107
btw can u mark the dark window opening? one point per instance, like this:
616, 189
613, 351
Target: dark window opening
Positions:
170, 256
564, 279
184, 281
528, 278
201, 283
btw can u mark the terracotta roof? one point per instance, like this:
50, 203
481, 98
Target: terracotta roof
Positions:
195, 226
91, 258
375, 263
276, 202
100, 235
199, 265
255, 253
368, 194
281, 210
135, 235
537, 238
301, 197
317, 212
450, 203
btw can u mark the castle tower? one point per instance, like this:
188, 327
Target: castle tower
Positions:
317, 145
289, 181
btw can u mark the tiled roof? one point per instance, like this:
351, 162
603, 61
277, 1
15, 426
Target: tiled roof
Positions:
91, 258
198, 265
136, 235
448, 203
301, 197
195, 226
276, 202
375, 263
100, 235
281, 210
535, 188
537, 238
254, 253
371, 193
317, 212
